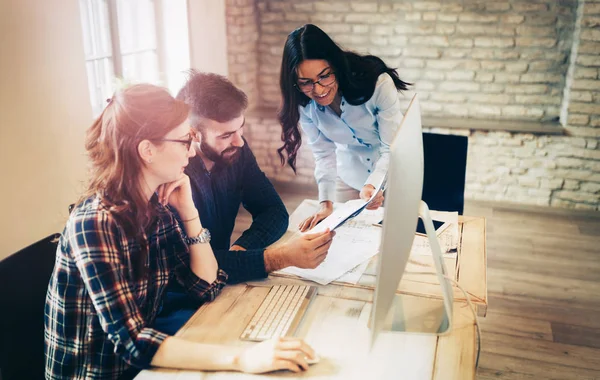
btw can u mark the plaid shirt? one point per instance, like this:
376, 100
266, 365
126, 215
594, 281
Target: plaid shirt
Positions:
97, 318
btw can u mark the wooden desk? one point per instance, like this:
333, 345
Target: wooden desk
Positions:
420, 279
336, 325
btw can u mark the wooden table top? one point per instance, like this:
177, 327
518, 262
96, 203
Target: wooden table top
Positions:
336, 323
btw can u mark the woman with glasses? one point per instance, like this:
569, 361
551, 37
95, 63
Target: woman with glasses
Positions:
122, 245
347, 105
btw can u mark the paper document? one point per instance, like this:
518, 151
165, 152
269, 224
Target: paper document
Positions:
354, 275
356, 241
447, 235
346, 212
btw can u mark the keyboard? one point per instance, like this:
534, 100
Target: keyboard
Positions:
280, 313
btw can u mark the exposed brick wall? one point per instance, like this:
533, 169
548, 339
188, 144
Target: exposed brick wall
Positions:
584, 97
539, 170
481, 59
521, 168
503, 60
242, 39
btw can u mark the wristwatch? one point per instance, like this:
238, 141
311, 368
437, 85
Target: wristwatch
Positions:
203, 237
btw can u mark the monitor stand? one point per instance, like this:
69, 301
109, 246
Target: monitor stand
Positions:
410, 313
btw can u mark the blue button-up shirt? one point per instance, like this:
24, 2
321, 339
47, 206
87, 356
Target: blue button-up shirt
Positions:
355, 145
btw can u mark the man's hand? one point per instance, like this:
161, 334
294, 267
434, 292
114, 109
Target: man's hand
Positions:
308, 251
302, 251
325, 210
236, 247
367, 192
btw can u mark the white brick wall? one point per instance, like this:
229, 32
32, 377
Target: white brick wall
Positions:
454, 45
504, 60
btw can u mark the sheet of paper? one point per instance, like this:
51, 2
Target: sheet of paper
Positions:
447, 236
354, 275
346, 211
356, 241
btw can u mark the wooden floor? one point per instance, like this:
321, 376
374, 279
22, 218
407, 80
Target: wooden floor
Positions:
543, 318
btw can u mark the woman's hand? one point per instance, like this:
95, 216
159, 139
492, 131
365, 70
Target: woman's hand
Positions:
275, 354
179, 195
325, 210
367, 192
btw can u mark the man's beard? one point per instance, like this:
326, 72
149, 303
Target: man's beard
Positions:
225, 158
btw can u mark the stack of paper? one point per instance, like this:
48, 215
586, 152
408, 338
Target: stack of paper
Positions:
447, 235
356, 241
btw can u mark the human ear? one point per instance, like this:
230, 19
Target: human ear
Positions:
146, 151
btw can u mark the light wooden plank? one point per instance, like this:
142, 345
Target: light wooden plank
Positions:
535, 223
576, 335
590, 229
516, 326
473, 260
527, 284
495, 366
548, 234
505, 374
555, 266
456, 352
541, 350
547, 310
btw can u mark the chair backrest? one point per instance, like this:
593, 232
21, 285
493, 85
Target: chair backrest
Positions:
445, 158
24, 278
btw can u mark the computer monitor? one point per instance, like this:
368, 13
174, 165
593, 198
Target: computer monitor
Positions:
403, 207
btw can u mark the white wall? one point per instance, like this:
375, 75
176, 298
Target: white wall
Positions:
208, 38
177, 43
44, 111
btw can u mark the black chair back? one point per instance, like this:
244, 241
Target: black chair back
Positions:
445, 159
24, 278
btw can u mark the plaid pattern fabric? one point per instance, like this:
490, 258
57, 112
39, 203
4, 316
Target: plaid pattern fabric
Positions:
97, 318
218, 195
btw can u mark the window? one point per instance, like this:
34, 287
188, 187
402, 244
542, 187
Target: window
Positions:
131, 41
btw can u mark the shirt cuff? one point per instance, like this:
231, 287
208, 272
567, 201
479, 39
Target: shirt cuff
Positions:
255, 265
242, 265
147, 343
326, 191
204, 291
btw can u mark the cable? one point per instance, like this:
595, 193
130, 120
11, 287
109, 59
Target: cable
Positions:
468, 298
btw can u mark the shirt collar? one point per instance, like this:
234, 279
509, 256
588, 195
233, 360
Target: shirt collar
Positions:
322, 108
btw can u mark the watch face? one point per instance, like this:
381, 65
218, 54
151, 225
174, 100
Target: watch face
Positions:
205, 235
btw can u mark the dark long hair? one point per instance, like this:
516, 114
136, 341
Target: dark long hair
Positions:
140, 112
356, 76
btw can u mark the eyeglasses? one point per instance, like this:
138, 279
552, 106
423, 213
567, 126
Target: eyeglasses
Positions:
187, 142
308, 86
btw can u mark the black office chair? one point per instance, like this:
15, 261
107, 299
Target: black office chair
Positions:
24, 280
445, 159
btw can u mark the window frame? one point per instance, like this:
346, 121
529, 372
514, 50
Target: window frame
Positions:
115, 53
